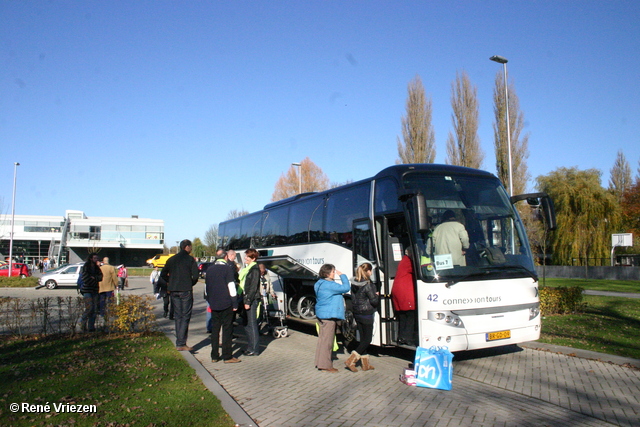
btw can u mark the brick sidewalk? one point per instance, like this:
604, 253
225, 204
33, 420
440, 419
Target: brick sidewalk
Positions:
512, 386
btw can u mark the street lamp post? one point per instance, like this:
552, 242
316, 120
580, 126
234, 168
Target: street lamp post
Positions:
299, 165
503, 61
13, 215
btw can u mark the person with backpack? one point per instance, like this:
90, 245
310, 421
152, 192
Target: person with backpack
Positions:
91, 278
364, 302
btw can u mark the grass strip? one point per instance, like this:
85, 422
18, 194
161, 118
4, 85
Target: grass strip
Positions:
608, 325
632, 286
132, 380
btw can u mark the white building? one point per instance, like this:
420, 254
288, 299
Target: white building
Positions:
70, 238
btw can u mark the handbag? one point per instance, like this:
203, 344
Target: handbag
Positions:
433, 367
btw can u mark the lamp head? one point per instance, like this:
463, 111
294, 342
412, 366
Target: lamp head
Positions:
499, 59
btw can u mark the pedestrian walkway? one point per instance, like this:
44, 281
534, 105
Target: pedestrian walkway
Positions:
514, 385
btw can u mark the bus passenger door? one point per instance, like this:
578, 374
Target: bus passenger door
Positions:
363, 251
392, 240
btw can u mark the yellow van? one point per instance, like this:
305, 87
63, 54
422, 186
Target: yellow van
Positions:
159, 260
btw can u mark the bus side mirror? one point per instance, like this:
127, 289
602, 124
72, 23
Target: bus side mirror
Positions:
549, 212
543, 201
418, 215
421, 218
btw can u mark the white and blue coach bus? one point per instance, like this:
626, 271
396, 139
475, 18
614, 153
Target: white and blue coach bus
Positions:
491, 301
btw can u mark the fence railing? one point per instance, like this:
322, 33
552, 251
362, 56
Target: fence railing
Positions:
62, 315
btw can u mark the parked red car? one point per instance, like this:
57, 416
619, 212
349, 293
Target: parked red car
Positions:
19, 269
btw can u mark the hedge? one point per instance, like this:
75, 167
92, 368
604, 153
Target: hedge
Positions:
561, 300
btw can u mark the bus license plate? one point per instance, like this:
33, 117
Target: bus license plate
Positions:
501, 335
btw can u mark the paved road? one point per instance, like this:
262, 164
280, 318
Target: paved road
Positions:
515, 385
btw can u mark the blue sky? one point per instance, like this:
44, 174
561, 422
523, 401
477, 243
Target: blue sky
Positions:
183, 111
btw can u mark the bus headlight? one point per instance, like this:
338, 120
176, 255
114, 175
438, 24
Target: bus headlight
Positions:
534, 312
447, 318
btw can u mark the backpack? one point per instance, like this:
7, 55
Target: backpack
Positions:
162, 284
80, 282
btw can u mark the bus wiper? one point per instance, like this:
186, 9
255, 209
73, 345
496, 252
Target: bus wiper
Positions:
530, 273
452, 282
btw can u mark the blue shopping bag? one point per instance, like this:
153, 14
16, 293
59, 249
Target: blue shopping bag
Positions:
434, 367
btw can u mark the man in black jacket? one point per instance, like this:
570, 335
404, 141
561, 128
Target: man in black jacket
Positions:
220, 292
181, 273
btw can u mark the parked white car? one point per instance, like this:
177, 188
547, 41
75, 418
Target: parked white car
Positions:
66, 275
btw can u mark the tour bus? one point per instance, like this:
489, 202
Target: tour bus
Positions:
491, 301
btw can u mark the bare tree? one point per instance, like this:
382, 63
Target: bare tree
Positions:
463, 145
211, 238
313, 179
519, 141
418, 143
340, 184
620, 179
235, 213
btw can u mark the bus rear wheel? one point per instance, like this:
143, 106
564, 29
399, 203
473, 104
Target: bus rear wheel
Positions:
307, 307
292, 306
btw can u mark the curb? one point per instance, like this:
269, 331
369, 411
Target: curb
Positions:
235, 411
583, 354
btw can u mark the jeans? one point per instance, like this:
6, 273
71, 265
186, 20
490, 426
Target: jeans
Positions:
105, 301
253, 334
91, 303
182, 303
222, 319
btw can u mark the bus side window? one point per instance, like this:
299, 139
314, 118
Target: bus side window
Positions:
343, 207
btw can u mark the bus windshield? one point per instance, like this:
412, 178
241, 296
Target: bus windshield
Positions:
475, 233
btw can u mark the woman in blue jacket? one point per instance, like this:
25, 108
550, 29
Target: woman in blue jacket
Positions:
329, 310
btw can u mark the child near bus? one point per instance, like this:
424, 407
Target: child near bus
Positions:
364, 301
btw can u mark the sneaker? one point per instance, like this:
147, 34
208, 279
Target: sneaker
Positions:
215, 360
184, 348
233, 360
330, 370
